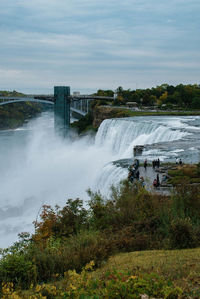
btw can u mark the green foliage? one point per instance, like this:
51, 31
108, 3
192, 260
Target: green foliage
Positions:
131, 219
115, 284
16, 268
72, 253
182, 233
83, 124
185, 174
196, 103
14, 93
14, 114
180, 95
61, 222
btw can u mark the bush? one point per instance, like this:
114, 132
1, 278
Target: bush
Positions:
132, 219
181, 233
195, 103
16, 268
73, 253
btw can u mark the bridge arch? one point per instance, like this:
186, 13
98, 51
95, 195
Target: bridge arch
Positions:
5, 102
63, 102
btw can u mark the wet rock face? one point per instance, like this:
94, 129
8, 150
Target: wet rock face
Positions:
137, 150
100, 113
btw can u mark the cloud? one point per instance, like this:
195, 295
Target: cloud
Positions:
93, 43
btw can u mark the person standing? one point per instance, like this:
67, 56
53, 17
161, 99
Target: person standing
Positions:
158, 162
158, 180
145, 164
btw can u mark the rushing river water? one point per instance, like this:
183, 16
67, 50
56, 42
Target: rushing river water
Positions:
39, 168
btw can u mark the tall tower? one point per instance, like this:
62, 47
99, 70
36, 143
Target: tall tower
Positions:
62, 110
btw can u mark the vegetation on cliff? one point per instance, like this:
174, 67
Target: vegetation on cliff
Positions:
14, 114
93, 119
132, 219
170, 100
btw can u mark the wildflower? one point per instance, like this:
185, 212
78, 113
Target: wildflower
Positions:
90, 266
132, 277
72, 287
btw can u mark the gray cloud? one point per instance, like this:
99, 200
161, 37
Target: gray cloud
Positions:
98, 44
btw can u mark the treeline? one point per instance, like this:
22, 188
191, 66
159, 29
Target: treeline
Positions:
14, 115
182, 96
131, 219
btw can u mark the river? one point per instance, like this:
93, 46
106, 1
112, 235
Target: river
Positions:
37, 167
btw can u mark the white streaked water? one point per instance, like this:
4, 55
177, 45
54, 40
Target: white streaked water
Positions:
122, 135
37, 167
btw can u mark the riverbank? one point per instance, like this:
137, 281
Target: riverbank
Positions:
14, 115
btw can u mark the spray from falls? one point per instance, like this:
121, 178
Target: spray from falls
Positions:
39, 168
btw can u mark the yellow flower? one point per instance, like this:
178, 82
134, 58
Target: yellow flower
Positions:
90, 266
38, 288
72, 287
132, 277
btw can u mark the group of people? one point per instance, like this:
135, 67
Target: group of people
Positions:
135, 174
156, 163
134, 171
179, 161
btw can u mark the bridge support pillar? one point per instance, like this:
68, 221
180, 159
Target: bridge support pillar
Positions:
62, 110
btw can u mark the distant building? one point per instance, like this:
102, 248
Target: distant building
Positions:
76, 93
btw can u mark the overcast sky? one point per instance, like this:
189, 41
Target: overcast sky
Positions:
90, 44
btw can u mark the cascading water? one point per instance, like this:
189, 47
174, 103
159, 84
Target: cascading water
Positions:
39, 168
121, 135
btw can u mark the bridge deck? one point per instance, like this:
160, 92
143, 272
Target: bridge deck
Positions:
49, 99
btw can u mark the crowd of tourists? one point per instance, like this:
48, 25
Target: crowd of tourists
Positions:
134, 173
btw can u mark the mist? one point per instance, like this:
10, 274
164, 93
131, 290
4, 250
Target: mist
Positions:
38, 167
41, 168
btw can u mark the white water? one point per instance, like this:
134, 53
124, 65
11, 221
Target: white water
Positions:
39, 168
122, 135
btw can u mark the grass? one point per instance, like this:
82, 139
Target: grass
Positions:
181, 266
188, 173
150, 113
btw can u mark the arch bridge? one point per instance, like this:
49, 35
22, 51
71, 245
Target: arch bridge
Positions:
63, 102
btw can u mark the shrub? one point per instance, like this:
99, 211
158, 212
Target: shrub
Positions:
181, 233
186, 202
73, 253
17, 269
115, 284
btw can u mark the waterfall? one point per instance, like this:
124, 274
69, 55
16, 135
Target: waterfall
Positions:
121, 135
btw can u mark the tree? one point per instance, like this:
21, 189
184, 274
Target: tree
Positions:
196, 103
162, 99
